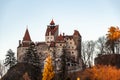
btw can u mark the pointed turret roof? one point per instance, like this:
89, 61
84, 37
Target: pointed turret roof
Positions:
27, 36
52, 22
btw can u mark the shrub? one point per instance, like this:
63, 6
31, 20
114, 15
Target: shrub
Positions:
101, 72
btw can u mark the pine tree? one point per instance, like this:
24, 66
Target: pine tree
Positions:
10, 58
31, 55
48, 72
63, 65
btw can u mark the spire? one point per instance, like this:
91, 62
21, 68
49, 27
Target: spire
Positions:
26, 36
52, 22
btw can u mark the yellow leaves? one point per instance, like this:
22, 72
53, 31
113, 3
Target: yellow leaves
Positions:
78, 78
48, 72
113, 33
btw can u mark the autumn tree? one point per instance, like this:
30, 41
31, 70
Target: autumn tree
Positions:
112, 37
48, 72
31, 56
10, 58
101, 72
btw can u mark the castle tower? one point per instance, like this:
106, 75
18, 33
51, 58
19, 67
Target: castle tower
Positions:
51, 32
60, 44
26, 39
23, 45
77, 39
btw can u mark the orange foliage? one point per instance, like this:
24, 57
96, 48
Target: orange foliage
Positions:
113, 33
102, 73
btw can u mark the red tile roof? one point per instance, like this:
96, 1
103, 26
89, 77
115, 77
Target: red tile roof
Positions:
26, 36
60, 38
52, 44
52, 22
52, 30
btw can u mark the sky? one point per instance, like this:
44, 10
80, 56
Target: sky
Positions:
91, 18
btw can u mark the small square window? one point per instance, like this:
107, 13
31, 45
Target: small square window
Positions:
60, 44
72, 52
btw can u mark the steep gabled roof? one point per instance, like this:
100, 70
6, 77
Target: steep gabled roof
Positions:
27, 36
60, 38
51, 30
52, 22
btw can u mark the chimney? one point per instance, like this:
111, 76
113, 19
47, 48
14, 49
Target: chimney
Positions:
19, 42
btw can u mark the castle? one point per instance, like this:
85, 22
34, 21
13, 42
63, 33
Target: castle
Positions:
54, 44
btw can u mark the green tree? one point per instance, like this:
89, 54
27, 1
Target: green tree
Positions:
31, 55
10, 58
48, 72
63, 65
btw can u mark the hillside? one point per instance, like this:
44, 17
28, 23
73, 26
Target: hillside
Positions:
23, 71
